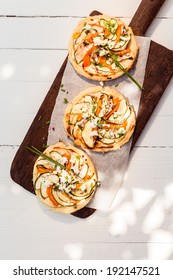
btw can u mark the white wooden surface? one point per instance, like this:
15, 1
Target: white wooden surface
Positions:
140, 224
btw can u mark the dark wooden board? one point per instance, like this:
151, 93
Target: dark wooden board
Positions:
159, 71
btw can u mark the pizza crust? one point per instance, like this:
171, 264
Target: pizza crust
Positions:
126, 63
94, 91
61, 147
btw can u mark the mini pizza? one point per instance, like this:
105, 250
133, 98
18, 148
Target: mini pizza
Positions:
66, 180
100, 42
100, 119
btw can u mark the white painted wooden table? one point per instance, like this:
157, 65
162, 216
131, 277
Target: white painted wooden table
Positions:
140, 224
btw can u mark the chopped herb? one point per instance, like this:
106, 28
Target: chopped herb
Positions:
61, 85
44, 156
116, 85
87, 31
65, 101
40, 117
66, 92
45, 146
56, 188
62, 89
48, 122
93, 109
78, 157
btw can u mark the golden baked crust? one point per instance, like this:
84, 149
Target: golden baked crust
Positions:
65, 190
97, 42
100, 119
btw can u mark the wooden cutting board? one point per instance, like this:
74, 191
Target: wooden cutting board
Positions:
159, 71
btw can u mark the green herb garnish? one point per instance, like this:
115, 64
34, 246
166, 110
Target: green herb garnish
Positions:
65, 100
44, 156
118, 64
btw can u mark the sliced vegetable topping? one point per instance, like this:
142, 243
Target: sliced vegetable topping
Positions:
95, 44
63, 177
105, 120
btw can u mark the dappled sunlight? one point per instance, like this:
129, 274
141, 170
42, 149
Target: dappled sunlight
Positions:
7, 71
120, 197
156, 210
74, 250
149, 212
145, 196
168, 193
121, 219
160, 236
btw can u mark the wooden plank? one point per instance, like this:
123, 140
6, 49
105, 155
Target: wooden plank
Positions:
65, 7
42, 65
69, 8
42, 32
86, 251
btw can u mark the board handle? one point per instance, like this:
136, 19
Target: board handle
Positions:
144, 16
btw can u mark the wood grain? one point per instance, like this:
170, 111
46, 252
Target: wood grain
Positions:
159, 71
144, 16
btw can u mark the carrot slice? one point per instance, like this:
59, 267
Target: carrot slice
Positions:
42, 169
75, 35
124, 125
68, 117
86, 59
51, 197
90, 37
102, 60
118, 33
107, 32
78, 185
68, 157
79, 118
99, 105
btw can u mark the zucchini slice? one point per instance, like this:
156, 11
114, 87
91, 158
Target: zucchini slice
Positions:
43, 192
88, 140
56, 155
80, 108
57, 195
76, 133
121, 45
120, 118
80, 38
85, 189
107, 141
84, 170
